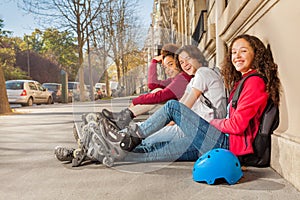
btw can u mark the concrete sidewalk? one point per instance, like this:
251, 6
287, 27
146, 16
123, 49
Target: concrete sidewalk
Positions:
30, 171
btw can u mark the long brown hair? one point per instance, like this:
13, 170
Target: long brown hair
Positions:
263, 63
193, 52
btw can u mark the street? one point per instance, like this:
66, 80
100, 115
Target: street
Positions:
29, 169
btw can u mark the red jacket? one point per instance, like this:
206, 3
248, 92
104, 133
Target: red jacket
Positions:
244, 121
174, 90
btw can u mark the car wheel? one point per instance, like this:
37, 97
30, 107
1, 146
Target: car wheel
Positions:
29, 102
49, 101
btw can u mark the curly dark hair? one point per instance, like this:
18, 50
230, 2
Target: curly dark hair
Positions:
263, 63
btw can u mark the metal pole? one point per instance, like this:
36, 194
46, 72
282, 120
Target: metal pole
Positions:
220, 46
64, 84
28, 59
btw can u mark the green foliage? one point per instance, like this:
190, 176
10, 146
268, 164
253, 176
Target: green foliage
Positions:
58, 47
11, 73
34, 41
8, 60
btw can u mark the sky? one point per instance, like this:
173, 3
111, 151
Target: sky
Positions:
21, 23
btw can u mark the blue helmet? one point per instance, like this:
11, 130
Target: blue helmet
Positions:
216, 164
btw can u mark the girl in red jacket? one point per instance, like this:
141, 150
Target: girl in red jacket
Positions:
162, 90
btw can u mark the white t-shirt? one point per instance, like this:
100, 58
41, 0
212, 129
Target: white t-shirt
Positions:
211, 85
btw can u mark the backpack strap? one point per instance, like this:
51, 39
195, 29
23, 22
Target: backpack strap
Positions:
207, 102
239, 88
218, 72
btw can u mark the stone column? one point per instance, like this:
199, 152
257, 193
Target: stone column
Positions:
220, 45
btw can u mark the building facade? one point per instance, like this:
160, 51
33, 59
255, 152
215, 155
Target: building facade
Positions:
212, 24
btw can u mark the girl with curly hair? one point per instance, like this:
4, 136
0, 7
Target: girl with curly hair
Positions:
262, 62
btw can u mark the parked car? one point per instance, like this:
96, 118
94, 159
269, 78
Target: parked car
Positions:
73, 88
118, 92
55, 88
27, 92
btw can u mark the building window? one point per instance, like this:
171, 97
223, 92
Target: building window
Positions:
200, 28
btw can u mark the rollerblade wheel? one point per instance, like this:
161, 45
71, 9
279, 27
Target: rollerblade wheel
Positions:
76, 153
78, 157
75, 162
108, 161
91, 117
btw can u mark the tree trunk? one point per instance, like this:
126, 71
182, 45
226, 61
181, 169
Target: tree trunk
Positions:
108, 90
4, 105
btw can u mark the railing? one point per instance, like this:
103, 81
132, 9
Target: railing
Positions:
200, 28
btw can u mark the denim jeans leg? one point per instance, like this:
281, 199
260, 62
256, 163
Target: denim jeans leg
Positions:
164, 151
166, 134
204, 137
198, 135
154, 123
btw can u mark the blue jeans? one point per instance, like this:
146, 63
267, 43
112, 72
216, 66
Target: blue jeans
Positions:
198, 136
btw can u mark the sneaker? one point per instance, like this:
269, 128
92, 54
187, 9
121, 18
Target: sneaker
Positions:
64, 154
121, 119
